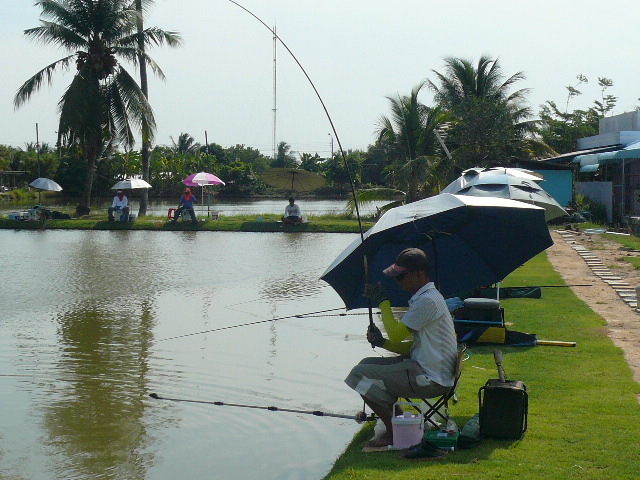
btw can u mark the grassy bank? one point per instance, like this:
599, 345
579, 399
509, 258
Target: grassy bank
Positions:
241, 223
584, 416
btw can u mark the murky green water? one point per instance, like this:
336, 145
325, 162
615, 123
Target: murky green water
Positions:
86, 327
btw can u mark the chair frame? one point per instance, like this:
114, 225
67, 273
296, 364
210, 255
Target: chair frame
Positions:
435, 407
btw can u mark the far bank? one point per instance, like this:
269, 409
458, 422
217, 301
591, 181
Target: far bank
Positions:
242, 223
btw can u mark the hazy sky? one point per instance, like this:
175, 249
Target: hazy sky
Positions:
357, 52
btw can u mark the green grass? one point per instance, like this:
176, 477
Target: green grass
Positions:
634, 261
584, 416
629, 241
238, 223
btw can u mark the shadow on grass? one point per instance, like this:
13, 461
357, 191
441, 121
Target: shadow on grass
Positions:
354, 460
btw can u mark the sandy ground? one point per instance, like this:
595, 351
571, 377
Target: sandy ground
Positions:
622, 318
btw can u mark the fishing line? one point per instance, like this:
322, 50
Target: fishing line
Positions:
359, 417
333, 128
300, 315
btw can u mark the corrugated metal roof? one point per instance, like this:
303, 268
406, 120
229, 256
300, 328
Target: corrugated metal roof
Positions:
568, 157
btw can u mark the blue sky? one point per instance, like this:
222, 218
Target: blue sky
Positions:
357, 52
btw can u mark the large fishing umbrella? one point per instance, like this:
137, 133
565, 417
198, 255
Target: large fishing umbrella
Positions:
511, 183
131, 184
201, 179
45, 184
471, 175
471, 242
294, 179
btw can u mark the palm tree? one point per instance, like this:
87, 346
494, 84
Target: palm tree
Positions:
285, 157
172, 40
490, 125
186, 145
409, 136
463, 81
103, 104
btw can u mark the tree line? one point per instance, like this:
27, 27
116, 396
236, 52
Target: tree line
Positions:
478, 117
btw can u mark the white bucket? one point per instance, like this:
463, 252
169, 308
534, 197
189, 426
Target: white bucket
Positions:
408, 428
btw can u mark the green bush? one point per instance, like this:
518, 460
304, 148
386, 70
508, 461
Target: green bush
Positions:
597, 210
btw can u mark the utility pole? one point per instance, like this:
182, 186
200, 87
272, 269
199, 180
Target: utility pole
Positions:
331, 137
275, 78
38, 148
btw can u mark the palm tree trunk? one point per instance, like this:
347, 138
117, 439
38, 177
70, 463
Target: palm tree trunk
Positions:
85, 200
144, 86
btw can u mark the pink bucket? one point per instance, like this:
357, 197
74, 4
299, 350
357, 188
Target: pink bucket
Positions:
408, 428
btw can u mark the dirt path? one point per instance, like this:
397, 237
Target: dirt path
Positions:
569, 256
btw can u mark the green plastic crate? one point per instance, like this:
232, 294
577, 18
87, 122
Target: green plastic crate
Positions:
442, 439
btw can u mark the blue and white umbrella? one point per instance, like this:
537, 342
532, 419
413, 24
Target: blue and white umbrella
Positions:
471, 242
510, 183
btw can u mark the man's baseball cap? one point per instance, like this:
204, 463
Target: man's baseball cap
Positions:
409, 260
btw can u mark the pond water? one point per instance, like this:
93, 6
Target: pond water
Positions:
225, 207
88, 329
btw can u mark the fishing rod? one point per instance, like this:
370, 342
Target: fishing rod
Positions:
300, 315
342, 154
359, 417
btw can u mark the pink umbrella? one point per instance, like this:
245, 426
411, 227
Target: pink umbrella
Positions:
202, 179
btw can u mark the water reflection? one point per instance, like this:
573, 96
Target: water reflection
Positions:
94, 414
90, 348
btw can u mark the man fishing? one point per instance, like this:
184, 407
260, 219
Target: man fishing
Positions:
120, 204
425, 365
292, 213
186, 203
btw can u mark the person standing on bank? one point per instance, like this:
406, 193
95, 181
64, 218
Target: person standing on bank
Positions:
292, 213
120, 203
186, 203
425, 365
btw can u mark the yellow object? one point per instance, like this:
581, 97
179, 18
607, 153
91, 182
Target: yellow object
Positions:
493, 335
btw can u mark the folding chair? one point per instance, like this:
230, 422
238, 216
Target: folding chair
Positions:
434, 406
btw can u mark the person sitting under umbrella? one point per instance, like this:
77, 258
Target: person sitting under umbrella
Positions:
292, 213
425, 367
120, 204
186, 203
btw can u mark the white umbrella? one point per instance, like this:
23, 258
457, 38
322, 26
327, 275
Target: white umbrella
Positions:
130, 183
46, 184
497, 174
514, 184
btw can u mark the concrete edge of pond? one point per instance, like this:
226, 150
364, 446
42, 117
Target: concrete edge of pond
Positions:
227, 225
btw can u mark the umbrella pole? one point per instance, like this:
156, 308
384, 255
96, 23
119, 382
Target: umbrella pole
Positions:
368, 280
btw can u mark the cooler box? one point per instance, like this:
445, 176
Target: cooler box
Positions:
408, 428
